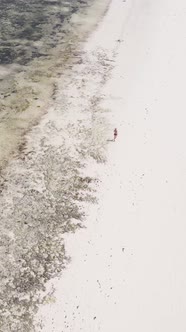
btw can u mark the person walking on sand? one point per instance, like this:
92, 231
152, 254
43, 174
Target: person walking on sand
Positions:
115, 134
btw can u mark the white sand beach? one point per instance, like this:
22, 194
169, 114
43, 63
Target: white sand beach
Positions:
127, 269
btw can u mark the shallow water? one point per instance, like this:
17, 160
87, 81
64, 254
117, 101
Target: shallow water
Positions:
38, 41
45, 187
28, 29
44, 191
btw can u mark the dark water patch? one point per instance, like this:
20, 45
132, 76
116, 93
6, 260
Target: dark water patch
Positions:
31, 21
